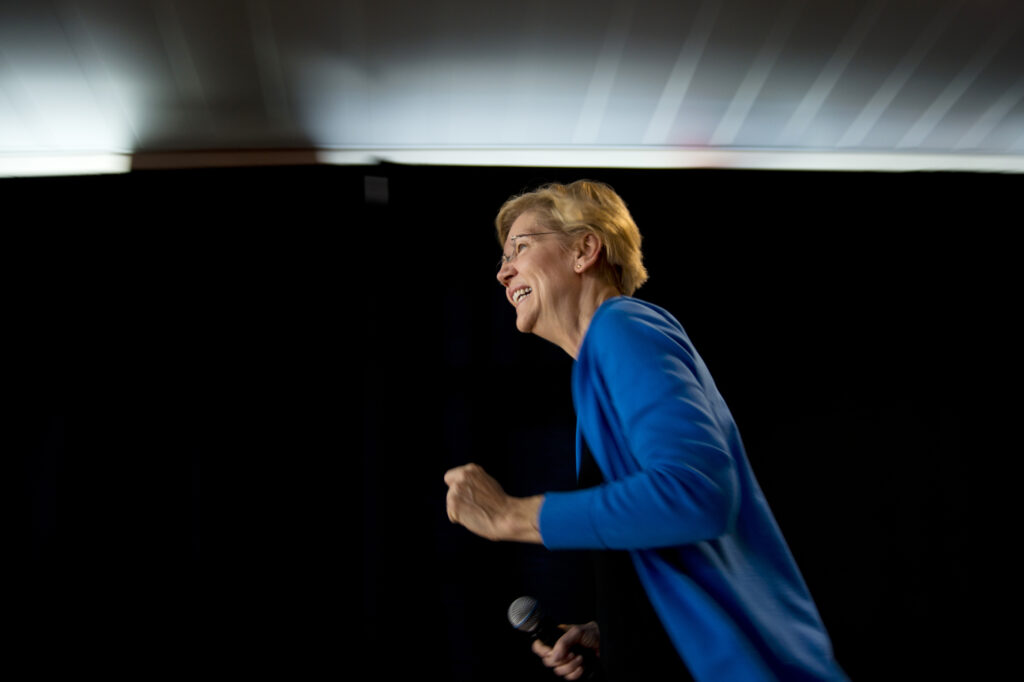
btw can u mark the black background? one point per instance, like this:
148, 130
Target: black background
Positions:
263, 374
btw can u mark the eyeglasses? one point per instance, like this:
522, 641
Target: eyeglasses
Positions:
505, 260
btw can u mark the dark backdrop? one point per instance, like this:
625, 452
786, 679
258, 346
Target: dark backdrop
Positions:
263, 375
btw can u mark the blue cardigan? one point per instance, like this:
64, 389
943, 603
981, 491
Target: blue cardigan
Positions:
682, 498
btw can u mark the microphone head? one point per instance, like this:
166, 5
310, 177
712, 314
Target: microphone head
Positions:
524, 614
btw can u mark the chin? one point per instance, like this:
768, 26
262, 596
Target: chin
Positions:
525, 323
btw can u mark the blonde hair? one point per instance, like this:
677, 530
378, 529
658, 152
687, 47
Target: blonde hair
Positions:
584, 206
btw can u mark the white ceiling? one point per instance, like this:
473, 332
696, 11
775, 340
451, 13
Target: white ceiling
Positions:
536, 82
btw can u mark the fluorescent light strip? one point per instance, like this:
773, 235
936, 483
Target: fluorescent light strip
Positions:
25, 165
679, 158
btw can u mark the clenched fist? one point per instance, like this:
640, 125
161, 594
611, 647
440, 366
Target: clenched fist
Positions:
564, 658
478, 502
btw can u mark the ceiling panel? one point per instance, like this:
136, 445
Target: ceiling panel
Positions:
885, 77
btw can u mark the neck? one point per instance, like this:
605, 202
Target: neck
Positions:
593, 293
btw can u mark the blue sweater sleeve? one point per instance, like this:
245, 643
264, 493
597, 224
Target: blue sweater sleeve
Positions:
652, 416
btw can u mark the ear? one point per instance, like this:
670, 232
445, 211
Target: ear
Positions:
588, 250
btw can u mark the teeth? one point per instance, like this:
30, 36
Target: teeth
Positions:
520, 294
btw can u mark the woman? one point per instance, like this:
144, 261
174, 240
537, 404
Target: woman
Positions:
706, 581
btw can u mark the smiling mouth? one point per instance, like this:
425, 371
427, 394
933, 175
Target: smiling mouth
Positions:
519, 294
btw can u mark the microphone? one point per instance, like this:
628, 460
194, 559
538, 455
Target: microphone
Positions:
526, 615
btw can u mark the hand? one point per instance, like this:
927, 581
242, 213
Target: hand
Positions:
479, 503
561, 658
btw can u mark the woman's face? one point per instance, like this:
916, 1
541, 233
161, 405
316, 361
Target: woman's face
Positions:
538, 277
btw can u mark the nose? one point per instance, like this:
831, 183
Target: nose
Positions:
505, 273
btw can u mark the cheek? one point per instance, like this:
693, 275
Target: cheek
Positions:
553, 281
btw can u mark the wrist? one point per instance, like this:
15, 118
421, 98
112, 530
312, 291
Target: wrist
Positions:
523, 519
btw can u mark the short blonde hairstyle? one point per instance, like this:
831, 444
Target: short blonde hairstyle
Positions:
584, 206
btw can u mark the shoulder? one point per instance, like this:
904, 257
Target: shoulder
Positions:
626, 320
632, 337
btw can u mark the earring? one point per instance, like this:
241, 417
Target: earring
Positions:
578, 266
